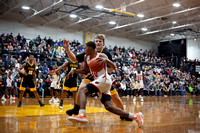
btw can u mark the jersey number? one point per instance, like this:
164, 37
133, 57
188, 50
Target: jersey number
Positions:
30, 72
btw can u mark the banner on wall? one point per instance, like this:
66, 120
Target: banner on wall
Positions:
197, 69
88, 36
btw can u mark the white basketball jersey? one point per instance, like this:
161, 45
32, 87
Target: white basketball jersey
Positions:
55, 77
139, 76
101, 72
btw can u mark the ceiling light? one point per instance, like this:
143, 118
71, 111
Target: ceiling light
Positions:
140, 15
112, 22
195, 39
174, 22
144, 29
73, 15
99, 7
25, 7
172, 34
176, 5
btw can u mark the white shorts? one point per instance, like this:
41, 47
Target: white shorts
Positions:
9, 83
55, 85
139, 85
103, 84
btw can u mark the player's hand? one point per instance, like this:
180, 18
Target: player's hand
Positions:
25, 74
70, 74
66, 43
103, 60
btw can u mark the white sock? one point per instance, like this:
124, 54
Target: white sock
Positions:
131, 115
82, 111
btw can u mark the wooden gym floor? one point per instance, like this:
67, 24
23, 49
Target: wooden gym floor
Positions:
173, 114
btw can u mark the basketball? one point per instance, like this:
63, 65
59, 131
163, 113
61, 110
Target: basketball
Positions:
96, 65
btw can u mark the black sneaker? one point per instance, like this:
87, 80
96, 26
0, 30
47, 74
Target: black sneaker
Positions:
41, 104
61, 105
125, 118
19, 105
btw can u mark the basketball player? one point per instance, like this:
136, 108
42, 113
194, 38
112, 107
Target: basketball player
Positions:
68, 84
9, 85
28, 80
102, 84
139, 83
100, 42
55, 86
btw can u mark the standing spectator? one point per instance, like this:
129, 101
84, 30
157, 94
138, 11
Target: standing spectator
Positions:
19, 37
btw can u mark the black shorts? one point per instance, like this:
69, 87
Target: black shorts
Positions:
71, 82
112, 88
89, 78
92, 89
28, 82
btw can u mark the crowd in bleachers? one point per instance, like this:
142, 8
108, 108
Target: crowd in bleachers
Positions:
161, 77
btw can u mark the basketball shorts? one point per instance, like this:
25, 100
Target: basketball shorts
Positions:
70, 84
27, 82
139, 85
89, 78
104, 96
113, 91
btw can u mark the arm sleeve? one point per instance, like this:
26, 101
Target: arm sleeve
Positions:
80, 57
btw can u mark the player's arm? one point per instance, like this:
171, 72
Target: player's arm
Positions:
105, 60
34, 76
109, 69
58, 79
79, 71
144, 81
21, 72
84, 70
61, 67
70, 54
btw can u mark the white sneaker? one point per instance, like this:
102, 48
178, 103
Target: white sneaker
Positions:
140, 96
52, 99
142, 100
3, 97
96, 97
165, 95
134, 99
56, 100
60, 107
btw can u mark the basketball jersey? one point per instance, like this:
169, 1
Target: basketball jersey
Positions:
55, 77
139, 76
101, 72
30, 70
71, 66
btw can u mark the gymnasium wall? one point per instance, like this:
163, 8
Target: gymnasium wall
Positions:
193, 49
31, 32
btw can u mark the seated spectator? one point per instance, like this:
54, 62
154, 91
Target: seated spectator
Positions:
157, 89
45, 69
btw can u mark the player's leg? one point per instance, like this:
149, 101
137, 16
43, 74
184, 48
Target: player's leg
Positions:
83, 99
108, 106
76, 108
22, 88
64, 92
74, 90
51, 93
32, 87
21, 96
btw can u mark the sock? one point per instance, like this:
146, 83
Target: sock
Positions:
132, 116
61, 101
76, 107
82, 111
39, 102
20, 102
